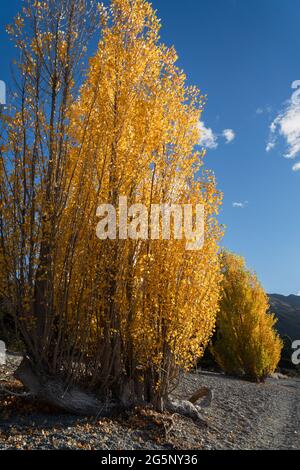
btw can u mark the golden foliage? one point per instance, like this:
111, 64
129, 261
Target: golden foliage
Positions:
135, 127
137, 309
247, 343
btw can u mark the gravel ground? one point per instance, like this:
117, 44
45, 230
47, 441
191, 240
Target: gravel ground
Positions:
243, 415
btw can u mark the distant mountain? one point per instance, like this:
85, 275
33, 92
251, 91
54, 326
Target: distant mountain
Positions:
287, 310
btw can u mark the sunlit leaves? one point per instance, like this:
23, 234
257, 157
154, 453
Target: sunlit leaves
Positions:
247, 343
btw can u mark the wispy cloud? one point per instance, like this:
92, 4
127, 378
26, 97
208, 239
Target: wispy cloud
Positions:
270, 146
240, 205
296, 167
209, 138
287, 125
229, 135
264, 110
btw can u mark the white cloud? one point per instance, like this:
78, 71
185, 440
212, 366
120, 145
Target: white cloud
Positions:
259, 111
287, 125
240, 205
270, 146
296, 167
229, 135
207, 137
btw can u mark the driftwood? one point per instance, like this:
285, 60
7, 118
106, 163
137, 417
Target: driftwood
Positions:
185, 408
77, 401
15, 394
53, 391
189, 407
203, 392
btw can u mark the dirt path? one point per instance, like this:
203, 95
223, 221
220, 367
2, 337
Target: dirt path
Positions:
250, 416
281, 429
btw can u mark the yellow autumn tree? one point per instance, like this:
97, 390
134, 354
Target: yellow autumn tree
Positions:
116, 317
247, 344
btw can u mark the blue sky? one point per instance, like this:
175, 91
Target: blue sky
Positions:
245, 54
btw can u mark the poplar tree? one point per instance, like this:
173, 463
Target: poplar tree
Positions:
105, 322
247, 344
